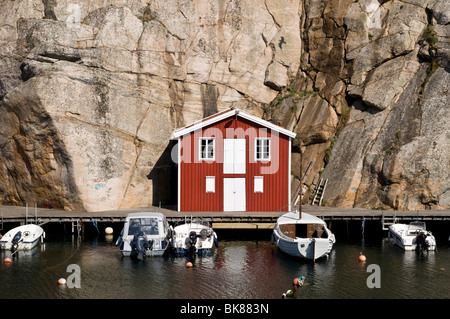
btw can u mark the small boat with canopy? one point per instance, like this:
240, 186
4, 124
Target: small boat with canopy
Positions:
303, 235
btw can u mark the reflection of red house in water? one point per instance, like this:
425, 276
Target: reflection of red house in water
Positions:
233, 161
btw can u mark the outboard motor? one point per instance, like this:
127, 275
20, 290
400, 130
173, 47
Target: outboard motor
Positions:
15, 241
192, 242
421, 243
140, 244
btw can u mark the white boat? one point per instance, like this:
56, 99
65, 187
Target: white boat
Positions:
24, 237
193, 238
303, 235
144, 234
413, 236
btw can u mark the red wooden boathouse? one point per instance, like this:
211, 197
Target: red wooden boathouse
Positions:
233, 161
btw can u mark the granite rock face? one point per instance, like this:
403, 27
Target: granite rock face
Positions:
381, 70
393, 152
90, 92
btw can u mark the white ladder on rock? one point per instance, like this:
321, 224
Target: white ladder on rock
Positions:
320, 190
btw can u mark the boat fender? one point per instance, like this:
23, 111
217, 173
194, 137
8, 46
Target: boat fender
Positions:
109, 230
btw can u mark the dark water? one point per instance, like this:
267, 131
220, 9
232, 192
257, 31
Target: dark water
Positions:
243, 269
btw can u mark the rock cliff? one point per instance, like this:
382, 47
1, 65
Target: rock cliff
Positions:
90, 92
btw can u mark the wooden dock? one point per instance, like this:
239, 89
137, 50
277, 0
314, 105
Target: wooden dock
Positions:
228, 220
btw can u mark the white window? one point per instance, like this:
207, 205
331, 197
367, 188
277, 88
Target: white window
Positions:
258, 184
210, 184
262, 149
206, 151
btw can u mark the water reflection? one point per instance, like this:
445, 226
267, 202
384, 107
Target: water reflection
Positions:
237, 269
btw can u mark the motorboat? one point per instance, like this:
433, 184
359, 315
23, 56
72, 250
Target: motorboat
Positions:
413, 236
24, 237
193, 238
144, 234
303, 235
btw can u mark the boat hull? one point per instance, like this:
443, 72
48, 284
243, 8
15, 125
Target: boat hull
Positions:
127, 249
31, 236
145, 234
200, 244
305, 248
310, 248
408, 240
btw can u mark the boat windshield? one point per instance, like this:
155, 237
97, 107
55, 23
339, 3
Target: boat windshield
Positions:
148, 225
416, 227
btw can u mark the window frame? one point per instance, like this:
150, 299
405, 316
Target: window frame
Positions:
262, 159
207, 158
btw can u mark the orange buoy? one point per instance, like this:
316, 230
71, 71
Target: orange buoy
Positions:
295, 282
7, 260
362, 257
189, 264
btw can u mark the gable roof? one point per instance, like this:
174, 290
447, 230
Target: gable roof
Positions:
226, 114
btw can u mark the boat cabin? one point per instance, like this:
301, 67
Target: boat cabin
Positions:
304, 230
153, 224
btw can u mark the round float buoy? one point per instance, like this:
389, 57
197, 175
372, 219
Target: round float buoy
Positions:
362, 257
108, 230
295, 282
189, 264
7, 260
61, 281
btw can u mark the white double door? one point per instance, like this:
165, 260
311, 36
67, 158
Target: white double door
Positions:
234, 162
234, 194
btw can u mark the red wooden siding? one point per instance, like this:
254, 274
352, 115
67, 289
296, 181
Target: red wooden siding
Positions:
193, 196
